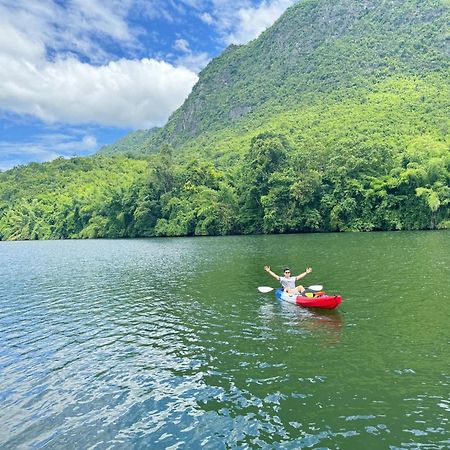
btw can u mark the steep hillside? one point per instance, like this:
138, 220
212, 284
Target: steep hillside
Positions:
319, 50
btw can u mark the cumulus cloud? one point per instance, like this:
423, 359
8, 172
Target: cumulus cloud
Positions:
137, 93
52, 67
134, 93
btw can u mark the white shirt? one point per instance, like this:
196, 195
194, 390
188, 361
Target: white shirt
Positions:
287, 282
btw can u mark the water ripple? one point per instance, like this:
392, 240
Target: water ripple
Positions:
162, 344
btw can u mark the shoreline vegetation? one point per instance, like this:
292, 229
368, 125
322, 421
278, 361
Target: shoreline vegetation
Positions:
270, 189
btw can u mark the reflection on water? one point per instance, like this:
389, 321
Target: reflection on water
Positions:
304, 320
166, 343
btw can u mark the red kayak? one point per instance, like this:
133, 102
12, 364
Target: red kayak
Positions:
317, 300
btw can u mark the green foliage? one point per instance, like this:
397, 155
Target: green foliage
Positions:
267, 155
201, 203
271, 188
334, 119
135, 143
318, 49
76, 198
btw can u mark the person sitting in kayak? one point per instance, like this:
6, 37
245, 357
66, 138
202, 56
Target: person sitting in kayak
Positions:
287, 281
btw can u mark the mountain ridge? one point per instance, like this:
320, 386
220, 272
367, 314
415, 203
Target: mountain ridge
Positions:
348, 51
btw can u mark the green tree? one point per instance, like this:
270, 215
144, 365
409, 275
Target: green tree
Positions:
268, 154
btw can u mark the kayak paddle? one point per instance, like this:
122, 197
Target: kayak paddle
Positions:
265, 289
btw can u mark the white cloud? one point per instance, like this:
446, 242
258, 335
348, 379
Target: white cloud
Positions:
154, 9
134, 93
194, 61
46, 147
207, 18
237, 22
182, 45
16, 45
137, 93
72, 28
240, 24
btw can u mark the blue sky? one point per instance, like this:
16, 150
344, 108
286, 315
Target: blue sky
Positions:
79, 74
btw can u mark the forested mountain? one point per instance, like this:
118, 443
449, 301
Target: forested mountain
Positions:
334, 119
319, 51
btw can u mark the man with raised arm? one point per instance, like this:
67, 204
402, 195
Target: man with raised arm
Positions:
287, 281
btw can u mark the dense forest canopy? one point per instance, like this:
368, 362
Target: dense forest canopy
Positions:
334, 119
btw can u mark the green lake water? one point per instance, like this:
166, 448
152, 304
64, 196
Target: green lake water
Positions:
167, 344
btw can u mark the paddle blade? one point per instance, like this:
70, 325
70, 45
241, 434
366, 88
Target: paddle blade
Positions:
316, 287
264, 289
